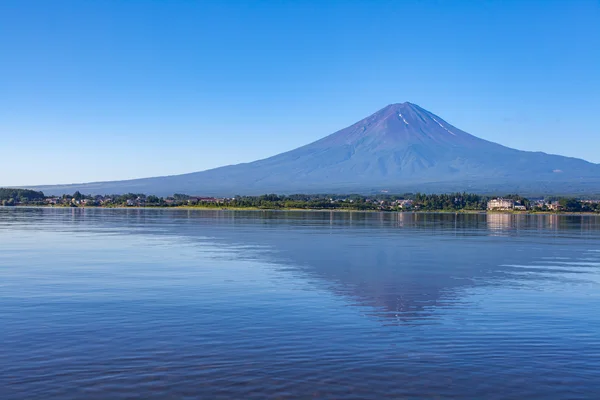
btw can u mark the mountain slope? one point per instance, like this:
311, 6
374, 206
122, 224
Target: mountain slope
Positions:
401, 147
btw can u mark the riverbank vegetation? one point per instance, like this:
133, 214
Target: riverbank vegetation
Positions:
452, 202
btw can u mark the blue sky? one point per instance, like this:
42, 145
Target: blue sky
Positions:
123, 89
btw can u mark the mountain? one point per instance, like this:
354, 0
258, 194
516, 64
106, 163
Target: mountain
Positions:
400, 148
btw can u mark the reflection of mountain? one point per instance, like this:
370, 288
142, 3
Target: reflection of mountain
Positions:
402, 265
399, 275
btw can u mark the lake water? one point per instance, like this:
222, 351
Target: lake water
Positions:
156, 304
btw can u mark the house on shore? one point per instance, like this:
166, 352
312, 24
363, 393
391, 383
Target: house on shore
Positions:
404, 203
553, 206
52, 200
501, 204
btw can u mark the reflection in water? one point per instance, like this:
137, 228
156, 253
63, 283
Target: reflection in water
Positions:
222, 304
396, 263
499, 223
403, 274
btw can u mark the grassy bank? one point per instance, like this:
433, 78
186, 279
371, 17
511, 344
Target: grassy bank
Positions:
342, 210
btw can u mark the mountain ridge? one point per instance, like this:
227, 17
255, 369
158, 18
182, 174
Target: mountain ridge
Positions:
401, 147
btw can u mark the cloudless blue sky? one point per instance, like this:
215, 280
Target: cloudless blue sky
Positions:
103, 90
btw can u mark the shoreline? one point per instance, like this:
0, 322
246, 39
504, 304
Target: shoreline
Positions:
196, 208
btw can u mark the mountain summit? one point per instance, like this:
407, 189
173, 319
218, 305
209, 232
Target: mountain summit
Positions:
400, 148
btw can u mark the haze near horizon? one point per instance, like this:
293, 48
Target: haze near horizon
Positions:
113, 90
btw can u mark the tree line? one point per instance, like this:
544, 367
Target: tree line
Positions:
25, 196
382, 202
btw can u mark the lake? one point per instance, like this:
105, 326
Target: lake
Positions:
156, 304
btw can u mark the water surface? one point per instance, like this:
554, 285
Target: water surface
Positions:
156, 304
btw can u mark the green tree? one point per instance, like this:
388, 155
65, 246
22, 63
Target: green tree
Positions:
153, 199
570, 204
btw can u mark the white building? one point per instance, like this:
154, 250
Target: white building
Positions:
501, 204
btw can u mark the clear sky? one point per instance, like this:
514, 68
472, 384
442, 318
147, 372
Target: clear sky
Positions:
103, 90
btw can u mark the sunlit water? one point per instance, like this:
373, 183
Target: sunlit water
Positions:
156, 304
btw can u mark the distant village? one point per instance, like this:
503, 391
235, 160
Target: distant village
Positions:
378, 202
137, 200
565, 204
